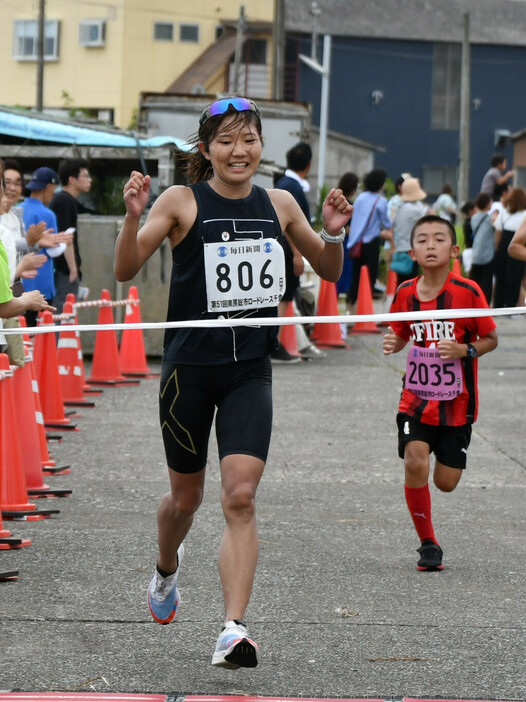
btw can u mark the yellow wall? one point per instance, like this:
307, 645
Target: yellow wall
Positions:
130, 62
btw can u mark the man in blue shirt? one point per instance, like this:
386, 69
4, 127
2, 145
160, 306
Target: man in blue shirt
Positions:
42, 186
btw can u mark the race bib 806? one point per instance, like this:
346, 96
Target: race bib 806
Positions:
243, 275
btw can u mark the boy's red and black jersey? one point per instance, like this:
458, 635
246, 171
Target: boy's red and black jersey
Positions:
457, 293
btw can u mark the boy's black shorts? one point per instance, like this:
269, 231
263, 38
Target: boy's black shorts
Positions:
449, 444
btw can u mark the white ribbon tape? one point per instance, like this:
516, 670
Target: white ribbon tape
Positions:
277, 321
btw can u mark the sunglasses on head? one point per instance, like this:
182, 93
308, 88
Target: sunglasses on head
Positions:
219, 107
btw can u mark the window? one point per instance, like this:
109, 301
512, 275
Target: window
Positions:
92, 32
25, 40
255, 51
189, 32
434, 177
163, 31
445, 107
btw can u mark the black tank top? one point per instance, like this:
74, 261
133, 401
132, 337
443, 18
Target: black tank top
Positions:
252, 217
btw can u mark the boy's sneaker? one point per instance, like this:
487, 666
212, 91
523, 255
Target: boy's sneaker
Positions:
234, 648
430, 556
163, 595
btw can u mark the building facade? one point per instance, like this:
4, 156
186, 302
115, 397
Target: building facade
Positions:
99, 57
395, 79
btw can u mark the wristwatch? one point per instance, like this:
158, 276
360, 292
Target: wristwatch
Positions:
472, 351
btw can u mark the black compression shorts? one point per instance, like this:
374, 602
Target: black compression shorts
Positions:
189, 395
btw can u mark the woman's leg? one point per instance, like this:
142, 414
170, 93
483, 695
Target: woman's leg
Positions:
238, 554
176, 514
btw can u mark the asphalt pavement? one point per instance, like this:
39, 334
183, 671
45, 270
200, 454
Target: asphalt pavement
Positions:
338, 607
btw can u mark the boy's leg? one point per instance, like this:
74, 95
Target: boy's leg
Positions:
451, 453
417, 495
446, 478
414, 445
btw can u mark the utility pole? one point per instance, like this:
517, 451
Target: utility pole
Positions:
465, 104
240, 40
278, 35
40, 54
325, 71
315, 12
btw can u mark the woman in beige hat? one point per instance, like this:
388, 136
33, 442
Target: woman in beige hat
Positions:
409, 211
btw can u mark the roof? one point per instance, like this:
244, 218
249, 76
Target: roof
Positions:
498, 22
41, 128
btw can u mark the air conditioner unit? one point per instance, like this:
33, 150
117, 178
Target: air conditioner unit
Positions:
92, 32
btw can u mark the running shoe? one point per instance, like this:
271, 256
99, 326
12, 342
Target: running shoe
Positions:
281, 355
163, 595
430, 556
234, 648
312, 352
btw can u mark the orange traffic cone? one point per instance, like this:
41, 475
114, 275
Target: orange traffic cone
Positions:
287, 333
8, 541
329, 334
46, 371
85, 387
132, 357
49, 467
364, 305
105, 368
14, 502
25, 418
456, 268
69, 359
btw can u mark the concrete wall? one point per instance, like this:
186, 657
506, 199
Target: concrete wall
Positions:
97, 237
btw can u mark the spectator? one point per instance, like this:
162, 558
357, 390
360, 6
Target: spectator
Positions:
394, 202
467, 210
496, 175
369, 224
42, 187
483, 250
508, 271
348, 184
75, 180
11, 306
295, 181
406, 215
36, 236
445, 206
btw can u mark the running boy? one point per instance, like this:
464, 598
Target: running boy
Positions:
439, 400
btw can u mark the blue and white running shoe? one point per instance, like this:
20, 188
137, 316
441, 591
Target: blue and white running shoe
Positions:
163, 595
234, 648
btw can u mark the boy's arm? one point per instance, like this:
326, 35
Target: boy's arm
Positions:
392, 343
449, 349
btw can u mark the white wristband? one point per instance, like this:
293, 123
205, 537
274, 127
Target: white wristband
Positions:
333, 239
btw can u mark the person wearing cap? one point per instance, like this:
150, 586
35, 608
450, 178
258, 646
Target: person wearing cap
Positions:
35, 209
228, 265
409, 211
